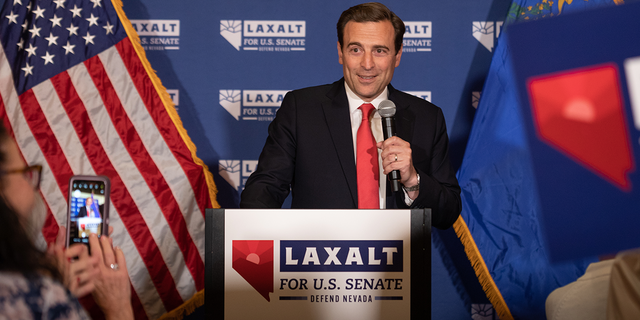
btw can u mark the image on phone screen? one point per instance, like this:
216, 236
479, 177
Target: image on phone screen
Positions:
86, 210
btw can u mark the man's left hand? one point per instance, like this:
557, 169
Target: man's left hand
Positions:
396, 155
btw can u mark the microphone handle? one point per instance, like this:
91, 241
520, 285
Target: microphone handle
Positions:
389, 130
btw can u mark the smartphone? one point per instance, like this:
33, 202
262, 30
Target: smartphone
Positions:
88, 209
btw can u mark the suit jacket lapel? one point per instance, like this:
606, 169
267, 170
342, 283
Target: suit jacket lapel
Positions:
336, 112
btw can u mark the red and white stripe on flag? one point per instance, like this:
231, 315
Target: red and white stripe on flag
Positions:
104, 116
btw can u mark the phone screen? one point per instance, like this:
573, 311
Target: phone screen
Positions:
86, 210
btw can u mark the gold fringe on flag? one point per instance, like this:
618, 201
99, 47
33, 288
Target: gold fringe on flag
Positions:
482, 272
186, 308
166, 100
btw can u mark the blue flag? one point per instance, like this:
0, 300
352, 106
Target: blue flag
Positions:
499, 224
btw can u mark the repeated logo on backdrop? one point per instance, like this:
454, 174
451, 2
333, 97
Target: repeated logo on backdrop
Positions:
426, 95
158, 34
483, 311
417, 36
265, 35
486, 32
175, 96
252, 105
236, 172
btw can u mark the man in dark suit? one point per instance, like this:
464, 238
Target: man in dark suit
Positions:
89, 210
312, 143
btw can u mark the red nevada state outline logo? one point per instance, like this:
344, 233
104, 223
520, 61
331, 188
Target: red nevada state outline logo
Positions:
253, 260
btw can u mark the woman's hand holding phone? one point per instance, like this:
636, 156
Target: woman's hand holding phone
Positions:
112, 287
76, 266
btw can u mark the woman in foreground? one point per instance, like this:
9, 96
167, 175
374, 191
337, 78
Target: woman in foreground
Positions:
31, 281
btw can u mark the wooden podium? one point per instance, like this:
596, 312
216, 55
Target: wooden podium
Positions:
318, 264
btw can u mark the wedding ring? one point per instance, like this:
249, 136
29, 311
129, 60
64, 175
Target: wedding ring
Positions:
396, 158
114, 266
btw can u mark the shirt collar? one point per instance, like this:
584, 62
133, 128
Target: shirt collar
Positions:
355, 102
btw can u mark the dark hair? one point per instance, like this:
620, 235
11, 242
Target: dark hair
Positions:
18, 253
371, 12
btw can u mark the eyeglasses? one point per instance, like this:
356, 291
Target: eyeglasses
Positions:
31, 173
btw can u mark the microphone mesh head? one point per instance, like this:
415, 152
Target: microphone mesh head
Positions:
387, 108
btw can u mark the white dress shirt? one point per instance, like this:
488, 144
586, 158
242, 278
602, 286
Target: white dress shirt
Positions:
376, 128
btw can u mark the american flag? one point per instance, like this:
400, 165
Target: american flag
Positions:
79, 97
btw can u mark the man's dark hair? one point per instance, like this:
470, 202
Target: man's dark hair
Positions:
18, 253
371, 12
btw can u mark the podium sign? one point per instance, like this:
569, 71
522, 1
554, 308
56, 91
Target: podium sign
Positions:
318, 264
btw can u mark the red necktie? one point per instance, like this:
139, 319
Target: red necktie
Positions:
367, 163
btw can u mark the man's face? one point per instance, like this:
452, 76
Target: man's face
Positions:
89, 202
368, 57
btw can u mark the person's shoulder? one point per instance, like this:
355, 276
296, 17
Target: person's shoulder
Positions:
11, 283
14, 288
57, 297
19, 290
17, 284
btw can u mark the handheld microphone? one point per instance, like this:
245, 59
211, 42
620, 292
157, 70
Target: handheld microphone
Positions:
387, 110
